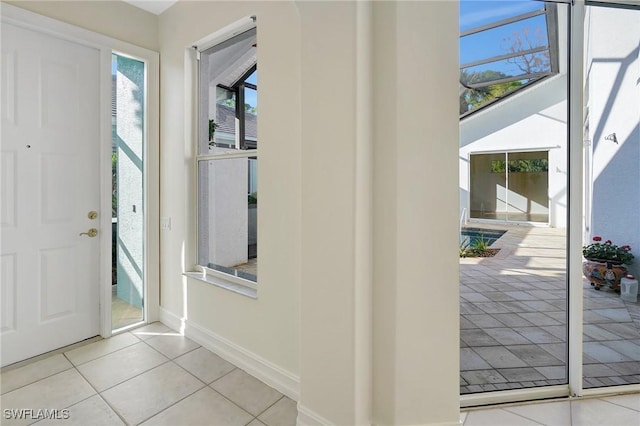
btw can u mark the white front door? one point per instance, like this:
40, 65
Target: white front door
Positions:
50, 182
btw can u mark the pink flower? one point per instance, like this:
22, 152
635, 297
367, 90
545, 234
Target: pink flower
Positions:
596, 238
626, 247
608, 242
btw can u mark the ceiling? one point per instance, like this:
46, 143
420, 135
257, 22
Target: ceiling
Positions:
153, 6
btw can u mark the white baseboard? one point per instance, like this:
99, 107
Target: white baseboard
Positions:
172, 320
308, 417
274, 376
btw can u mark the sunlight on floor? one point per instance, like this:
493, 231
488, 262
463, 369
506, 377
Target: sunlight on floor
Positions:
123, 313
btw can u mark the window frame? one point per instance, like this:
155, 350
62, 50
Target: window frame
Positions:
221, 279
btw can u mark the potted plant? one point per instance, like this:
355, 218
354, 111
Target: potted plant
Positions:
604, 264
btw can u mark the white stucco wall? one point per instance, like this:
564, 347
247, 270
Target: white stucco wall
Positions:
613, 64
533, 120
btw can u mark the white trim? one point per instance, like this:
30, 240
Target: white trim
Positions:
271, 374
104, 218
307, 417
246, 153
106, 45
516, 395
225, 33
611, 390
172, 320
575, 189
224, 283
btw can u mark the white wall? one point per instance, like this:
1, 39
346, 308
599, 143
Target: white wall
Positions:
415, 205
112, 18
316, 316
532, 120
614, 107
269, 326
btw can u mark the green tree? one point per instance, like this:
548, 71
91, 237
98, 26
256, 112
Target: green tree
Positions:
475, 94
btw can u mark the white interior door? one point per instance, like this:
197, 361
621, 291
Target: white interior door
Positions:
50, 183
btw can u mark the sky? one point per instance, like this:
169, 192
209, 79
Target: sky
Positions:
494, 42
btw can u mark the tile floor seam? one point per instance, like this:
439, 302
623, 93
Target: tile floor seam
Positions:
177, 402
525, 417
36, 381
225, 374
188, 372
100, 395
104, 355
265, 410
230, 400
623, 406
166, 356
132, 377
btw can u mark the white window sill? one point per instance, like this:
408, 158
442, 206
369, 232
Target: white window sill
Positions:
222, 283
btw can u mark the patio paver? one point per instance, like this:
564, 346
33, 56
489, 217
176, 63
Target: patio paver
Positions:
513, 319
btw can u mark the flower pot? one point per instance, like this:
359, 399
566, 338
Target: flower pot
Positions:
603, 272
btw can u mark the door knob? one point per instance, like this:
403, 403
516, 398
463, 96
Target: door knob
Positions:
91, 232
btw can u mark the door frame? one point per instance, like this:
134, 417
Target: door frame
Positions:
151, 180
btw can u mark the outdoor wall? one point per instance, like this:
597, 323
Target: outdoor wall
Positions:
532, 120
115, 19
131, 163
613, 99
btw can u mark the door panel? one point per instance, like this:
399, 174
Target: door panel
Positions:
50, 181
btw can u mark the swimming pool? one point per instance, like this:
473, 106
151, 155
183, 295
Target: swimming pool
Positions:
471, 235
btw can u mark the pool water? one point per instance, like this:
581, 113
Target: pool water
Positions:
472, 235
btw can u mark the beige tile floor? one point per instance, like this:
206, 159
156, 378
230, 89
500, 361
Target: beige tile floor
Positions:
620, 410
154, 376
150, 375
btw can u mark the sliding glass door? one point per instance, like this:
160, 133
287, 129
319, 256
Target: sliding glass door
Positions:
551, 164
510, 186
611, 348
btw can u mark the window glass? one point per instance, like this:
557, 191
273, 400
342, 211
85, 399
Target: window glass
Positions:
228, 159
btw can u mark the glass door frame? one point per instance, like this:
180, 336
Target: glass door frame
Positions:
576, 111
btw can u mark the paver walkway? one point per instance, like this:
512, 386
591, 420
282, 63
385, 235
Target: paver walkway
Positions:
513, 310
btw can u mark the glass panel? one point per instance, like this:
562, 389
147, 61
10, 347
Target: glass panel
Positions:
513, 281
505, 39
528, 187
127, 161
227, 216
474, 14
221, 69
488, 198
611, 348
251, 117
498, 55
224, 128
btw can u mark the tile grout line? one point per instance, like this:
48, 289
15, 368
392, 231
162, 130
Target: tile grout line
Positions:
100, 396
233, 402
205, 385
104, 355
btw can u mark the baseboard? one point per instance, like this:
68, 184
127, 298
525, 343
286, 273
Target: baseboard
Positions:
172, 320
308, 417
274, 376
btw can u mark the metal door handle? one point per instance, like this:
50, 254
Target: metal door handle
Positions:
90, 233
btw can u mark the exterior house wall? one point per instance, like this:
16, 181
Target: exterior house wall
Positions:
532, 120
613, 63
